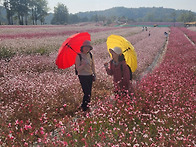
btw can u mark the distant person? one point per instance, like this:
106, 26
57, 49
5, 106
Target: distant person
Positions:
166, 35
86, 72
119, 70
149, 34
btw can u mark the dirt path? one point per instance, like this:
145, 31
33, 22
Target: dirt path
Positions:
157, 60
189, 40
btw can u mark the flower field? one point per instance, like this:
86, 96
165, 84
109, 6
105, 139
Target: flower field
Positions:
38, 101
190, 34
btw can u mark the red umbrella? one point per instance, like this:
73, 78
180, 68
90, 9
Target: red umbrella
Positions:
70, 48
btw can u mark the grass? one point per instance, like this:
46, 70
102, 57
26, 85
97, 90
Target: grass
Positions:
6, 53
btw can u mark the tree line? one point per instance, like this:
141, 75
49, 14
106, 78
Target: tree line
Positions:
25, 12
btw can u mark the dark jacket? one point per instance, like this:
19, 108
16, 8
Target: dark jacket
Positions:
120, 74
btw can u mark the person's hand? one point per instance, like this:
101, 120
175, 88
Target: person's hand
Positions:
94, 77
106, 65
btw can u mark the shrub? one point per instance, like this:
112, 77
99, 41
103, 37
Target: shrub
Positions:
6, 53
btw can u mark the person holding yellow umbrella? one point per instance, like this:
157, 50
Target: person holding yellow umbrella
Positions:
119, 70
124, 61
127, 49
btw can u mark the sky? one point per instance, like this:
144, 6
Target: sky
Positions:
75, 6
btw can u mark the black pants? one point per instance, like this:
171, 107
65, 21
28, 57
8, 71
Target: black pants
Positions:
86, 83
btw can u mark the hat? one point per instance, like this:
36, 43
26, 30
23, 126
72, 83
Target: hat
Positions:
87, 43
117, 50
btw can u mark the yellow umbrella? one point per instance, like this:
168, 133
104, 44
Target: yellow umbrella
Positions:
127, 49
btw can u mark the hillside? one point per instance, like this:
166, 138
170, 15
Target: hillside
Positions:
143, 14
155, 14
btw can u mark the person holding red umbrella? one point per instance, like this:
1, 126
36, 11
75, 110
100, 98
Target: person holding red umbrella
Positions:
86, 72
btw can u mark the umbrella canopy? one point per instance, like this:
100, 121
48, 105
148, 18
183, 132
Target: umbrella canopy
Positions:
70, 48
127, 49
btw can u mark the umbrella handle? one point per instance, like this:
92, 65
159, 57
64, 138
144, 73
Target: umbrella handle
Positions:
126, 49
71, 48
